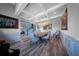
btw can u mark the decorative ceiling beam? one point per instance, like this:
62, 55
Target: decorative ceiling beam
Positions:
49, 10
56, 7
24, 19
41, 5
45, 19
19, 8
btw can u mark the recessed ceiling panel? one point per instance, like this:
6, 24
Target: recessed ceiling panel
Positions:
33, 8
25, 16
56, 12
49, 5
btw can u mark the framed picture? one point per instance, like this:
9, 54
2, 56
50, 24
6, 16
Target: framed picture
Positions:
49, 26
8, 22
64, 19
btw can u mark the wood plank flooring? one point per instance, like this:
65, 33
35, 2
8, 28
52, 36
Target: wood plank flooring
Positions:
53, 47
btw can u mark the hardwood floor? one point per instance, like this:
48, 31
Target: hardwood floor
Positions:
53, 47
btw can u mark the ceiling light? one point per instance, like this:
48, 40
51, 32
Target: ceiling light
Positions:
54, 13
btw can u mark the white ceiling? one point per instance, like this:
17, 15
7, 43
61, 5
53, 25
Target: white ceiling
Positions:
36, 12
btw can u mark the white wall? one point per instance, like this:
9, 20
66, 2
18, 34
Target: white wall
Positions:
12, 34
73, 20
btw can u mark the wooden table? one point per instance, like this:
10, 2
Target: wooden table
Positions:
40, 35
